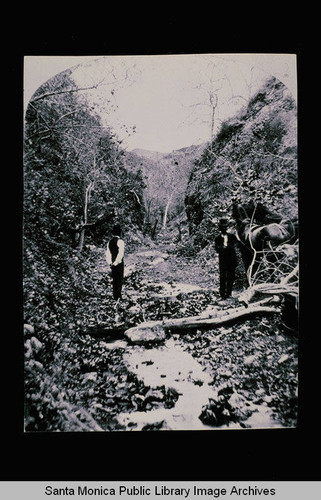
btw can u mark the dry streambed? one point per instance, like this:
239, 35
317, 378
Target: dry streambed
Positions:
240, 376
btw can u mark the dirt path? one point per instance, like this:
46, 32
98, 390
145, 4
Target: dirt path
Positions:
163, 265
157, 272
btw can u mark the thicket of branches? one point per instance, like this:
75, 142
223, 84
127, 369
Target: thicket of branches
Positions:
76, 186
252, 158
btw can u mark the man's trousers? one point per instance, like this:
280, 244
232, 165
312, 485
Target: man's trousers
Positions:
227, 276
117, 273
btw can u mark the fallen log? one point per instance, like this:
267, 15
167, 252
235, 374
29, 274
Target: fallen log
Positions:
156, 330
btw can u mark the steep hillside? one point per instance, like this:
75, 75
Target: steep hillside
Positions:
253, 157
166, 176
76, 186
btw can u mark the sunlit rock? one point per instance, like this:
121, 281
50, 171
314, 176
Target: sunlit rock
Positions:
146, 332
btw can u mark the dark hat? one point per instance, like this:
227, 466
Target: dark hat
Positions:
223, 222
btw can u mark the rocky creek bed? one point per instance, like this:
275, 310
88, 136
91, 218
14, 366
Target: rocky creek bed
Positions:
244, 376
240, 375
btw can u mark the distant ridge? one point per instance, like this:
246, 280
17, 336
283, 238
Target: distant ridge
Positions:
151, 155
194, 150
165, 174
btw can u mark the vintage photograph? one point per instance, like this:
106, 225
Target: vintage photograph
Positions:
160, 243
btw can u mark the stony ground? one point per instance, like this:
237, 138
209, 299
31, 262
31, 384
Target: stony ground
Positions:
99, 381
252, 363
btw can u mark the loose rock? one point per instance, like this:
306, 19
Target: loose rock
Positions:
146, 333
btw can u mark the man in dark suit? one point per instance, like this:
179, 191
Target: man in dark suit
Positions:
225, 244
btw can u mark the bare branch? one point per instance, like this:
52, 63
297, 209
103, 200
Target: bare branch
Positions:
57, 92
68, 114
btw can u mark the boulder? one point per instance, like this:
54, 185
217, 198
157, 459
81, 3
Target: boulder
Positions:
28, 329
35, 344
147, 332
248, 360
283, 358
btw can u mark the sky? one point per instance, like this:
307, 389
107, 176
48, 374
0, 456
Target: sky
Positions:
167, 98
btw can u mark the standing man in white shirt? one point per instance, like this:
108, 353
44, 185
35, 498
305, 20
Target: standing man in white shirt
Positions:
115, 258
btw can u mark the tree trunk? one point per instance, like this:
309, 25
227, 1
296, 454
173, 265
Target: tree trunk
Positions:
85, 217
179, 237
81, 239
166, 210
166, 214
209, 320
200, 321
153, 234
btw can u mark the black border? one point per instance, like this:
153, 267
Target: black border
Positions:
250, 455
